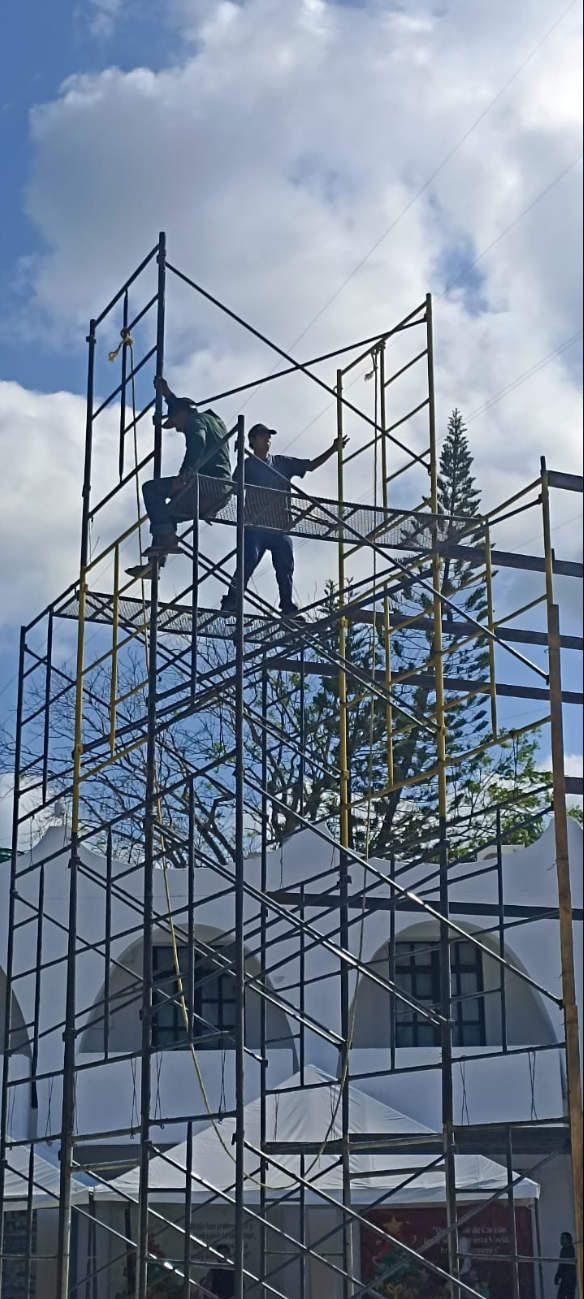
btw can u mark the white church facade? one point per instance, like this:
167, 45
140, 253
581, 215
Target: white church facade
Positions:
516, 1075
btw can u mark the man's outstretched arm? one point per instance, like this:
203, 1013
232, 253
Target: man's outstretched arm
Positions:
326, 455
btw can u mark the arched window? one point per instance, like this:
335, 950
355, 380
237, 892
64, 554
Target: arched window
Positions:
417, 975
214, 1000
382, 1019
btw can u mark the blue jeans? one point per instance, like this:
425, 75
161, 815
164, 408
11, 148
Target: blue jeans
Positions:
280, 548
166, 505
156, 495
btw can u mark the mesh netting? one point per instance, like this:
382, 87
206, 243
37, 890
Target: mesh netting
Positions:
173, 620
322, 520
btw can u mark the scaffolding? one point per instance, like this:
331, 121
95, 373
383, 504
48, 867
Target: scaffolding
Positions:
201, 667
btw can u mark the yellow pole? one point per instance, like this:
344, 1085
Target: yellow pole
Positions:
571, 1028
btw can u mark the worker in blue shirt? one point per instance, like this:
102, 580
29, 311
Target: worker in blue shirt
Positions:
263, 470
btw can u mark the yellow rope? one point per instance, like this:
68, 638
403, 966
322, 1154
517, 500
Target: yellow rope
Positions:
353, 1019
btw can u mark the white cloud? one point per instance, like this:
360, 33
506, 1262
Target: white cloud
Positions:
276, 149
42, 440
41, 444
574, 766
102, 17
33, 828
6, 787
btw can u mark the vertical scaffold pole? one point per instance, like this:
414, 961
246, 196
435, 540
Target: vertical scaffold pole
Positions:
538, 1239
502, 940
491, 626
343, 717
86, 508
512, 1220
445, 966
150, 821
115, 647
571, 1027
302, 1233
392, 966
344, 931
386, 605
38, 989
195, 590
69, 1035
263, 975
29, 1266
123, 381
240, 873
191, 866
6, 1059
47, 720
107, 950
187, 1289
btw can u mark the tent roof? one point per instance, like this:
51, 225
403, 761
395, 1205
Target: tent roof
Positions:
46, 1179
313, 1115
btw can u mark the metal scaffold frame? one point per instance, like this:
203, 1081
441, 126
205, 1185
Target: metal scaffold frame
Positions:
396, 549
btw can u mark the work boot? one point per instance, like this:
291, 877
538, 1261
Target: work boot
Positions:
166, 544
292, 611
229, 602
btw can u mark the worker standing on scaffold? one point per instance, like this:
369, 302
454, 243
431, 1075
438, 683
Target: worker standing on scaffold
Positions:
272, 508
169, 500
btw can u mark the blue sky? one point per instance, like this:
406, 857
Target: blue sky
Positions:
299, 154
42, 45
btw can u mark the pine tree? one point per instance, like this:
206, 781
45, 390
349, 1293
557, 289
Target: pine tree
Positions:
392, 821
456, 484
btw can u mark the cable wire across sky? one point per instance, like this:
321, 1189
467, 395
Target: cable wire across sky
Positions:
433, 175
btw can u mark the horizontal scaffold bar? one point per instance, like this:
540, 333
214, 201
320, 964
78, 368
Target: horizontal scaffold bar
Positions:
510, 559
528, 1139
453, 627
567, 482
463, 685
358, 902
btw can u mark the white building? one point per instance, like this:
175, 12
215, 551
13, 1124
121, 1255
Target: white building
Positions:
490, 1086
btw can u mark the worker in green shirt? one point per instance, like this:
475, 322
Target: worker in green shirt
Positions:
207, 448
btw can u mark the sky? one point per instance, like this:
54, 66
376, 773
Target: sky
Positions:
319, 165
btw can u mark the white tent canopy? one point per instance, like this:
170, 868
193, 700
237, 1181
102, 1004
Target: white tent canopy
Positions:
314, 1115
45, 1179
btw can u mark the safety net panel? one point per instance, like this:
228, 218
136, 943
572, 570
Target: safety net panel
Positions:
322, 520
174, 620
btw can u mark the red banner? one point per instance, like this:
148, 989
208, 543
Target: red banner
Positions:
486, 1236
